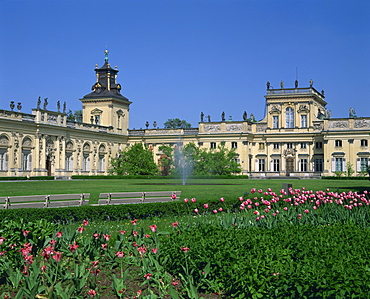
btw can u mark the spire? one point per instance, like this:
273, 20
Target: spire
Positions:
106, 55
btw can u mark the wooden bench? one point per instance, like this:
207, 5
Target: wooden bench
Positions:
44, 201
137, 197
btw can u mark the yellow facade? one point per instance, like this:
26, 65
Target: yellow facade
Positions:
297, 136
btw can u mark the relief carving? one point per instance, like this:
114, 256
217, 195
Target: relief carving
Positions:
212, 128
261, 128
338, 124
362, 123
238, 127
4, 140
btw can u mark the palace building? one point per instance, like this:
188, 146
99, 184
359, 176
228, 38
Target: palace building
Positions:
297, 137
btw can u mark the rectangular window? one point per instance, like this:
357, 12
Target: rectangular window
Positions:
213, 145
26, 161
261, 164
3, 161
276, 145
338, 143
86, 163
303, 165
338, 164
319, 165
363, 142
276, 164
261, 146
303, 145
234, 145
319, 145
289, 145
364, 162
304, 121
101, 163
69, 162
275, 121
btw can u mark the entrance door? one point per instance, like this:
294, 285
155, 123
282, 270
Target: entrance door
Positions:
289, 166
48, 165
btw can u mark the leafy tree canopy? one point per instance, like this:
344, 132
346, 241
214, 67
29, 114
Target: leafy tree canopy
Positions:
74, 116
176, 123
191, 159
134, 160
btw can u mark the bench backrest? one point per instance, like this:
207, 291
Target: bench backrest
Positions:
44, 201
137, 197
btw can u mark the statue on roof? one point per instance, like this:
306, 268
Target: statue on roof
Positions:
296, 83
38, 102
58, 106
245, 116
45, 103
352, 113
311, 82
106, 55
223, 116
268, 85
201, 117
282, 84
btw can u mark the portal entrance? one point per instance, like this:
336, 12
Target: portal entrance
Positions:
289, 162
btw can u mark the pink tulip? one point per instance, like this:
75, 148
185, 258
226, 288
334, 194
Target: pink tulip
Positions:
153, 228
92, 293
185, 249
186, 200
193, 200
214, 211
205, 205
57, 256
222, 199
147, 276
85, 223
175, 224
120, 254
196, 210
2, 239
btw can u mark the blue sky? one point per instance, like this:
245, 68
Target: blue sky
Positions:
178, 58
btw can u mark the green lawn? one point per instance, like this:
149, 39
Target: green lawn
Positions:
199, 188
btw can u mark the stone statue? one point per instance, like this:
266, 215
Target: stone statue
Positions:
352, 113
12, 105
45, 103
209, 118
245, 116
282, 84
323, 92
296, 83
223, 116
268, 85
252, 117
311, 82
38, 103
201, 117
147, 124
58, 106
19, 106
64, 107
155, 124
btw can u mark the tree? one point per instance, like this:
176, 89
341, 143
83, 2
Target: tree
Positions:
165, 161
220, 161
74, 116
176, 123
191, 159
134, 160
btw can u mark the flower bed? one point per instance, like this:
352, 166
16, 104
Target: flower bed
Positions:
265, 245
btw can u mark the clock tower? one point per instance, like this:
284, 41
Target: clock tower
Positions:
105, 106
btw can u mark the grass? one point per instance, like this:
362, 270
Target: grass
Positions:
199, 188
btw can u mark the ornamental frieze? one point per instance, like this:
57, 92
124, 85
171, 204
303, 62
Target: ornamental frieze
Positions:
338, 124
238, 127
212, 128
362, 123
261, 128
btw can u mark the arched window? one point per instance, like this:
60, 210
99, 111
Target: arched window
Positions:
289, 118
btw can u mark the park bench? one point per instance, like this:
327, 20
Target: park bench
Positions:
137, 197
44, 201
